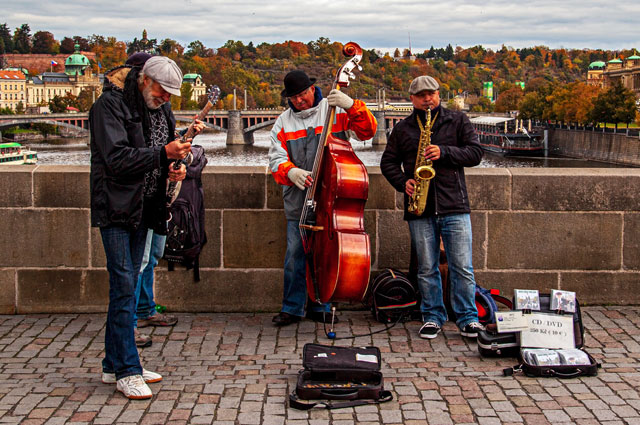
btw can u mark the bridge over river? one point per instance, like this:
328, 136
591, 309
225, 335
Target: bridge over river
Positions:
238, 124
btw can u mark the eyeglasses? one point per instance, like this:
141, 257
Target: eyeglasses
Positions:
299, 95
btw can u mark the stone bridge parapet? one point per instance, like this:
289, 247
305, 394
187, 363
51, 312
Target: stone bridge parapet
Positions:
542, 228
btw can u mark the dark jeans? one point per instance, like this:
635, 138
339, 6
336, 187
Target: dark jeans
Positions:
124, 249
295, 275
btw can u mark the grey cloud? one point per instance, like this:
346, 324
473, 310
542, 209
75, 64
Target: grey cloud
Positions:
374, 24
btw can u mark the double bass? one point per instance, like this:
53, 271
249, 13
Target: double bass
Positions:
332, 221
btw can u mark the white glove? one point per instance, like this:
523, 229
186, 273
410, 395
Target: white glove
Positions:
298, 176
337, 98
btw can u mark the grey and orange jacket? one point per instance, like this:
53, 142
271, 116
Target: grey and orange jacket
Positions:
294, 141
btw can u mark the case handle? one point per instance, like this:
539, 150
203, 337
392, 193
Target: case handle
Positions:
340, 394
295, 403
554, 372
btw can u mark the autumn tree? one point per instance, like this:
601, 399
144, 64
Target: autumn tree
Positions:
86, 98
67, 45
508, 100
44, 42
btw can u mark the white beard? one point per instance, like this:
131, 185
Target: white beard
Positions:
151, 101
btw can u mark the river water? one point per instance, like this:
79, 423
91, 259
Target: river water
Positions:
76, 152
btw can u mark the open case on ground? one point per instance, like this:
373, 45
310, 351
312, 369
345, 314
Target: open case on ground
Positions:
551, 345
339, 373
494, 344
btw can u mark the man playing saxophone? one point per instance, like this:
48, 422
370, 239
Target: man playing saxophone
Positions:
435, 144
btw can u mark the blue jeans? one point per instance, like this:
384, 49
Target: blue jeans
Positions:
153, 251
455, 230
123, 249
295, 275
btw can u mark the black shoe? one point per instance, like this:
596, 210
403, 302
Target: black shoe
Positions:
471, 330
318, 316
285, 319
429, 330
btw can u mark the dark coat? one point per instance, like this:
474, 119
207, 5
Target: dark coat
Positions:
120, 157
459, 148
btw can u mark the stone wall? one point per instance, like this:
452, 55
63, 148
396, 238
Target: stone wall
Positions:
597, 146
573, 229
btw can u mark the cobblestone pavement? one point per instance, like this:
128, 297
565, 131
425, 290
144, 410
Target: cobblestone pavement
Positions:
238, 369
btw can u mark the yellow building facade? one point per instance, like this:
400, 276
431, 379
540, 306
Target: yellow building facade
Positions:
12, 89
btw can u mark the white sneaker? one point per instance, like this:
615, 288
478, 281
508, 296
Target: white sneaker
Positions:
133, 387
148, 376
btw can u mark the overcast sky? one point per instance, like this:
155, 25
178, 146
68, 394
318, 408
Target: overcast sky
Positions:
373, 24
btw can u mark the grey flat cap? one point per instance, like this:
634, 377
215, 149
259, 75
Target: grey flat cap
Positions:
165, 72
423, 82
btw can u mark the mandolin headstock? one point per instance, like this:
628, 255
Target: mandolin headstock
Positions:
213, 94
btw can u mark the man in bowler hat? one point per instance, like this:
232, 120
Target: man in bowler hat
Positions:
294, 141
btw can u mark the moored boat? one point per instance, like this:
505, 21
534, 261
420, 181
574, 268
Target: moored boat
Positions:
504, 136
15, 153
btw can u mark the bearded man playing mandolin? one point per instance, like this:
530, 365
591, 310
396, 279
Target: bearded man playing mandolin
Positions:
294, 141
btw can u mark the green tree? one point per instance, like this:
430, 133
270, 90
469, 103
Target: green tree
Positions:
615, 105
186, 103
7, 40
197, 48
22, 39
170, 47
59, 103
20, 108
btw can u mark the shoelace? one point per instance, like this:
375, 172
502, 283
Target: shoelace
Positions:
136, 381
430, 325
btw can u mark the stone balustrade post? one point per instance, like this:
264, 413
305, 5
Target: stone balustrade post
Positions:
235, 135
381, 133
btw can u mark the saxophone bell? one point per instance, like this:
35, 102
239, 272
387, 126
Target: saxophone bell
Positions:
425, 172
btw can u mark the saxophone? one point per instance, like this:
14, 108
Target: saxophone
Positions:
424, 171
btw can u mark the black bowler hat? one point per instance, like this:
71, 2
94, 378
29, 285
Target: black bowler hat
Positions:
296, 82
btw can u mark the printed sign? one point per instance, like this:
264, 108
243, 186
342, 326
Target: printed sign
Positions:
511, 321
548, 331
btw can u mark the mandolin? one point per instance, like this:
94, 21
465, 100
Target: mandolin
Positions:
173, 188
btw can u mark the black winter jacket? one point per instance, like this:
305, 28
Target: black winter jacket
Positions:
120, 158
459, 148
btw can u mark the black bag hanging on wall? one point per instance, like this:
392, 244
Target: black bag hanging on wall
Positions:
351, 374
185, 229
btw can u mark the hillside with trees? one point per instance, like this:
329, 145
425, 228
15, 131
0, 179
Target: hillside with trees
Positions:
553, 77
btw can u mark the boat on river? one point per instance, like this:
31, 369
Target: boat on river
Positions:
15, 153
507, 136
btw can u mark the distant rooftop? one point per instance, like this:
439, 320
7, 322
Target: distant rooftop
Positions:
11, 75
